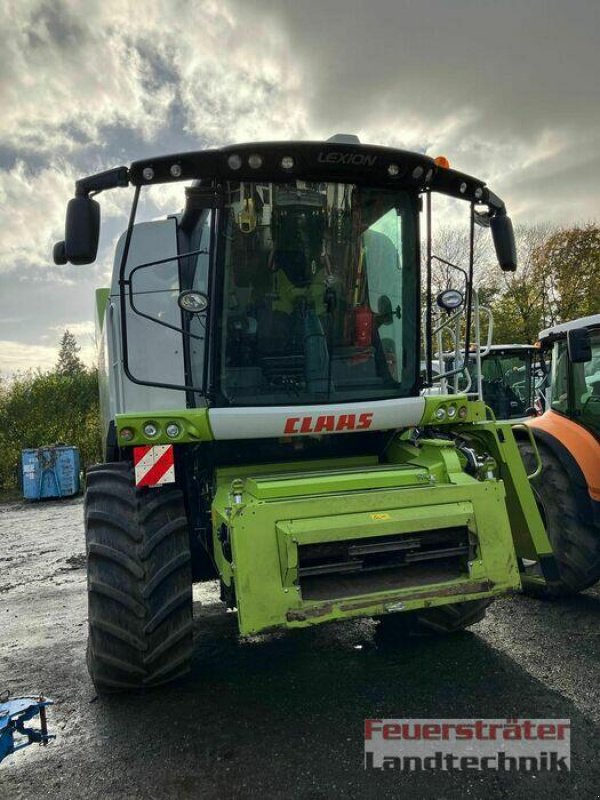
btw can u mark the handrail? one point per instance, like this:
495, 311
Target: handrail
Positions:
536, 452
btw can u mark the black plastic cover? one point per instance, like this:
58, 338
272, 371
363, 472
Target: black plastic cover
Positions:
82, 230
504, 242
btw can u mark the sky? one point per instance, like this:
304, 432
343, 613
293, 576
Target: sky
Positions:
508, 90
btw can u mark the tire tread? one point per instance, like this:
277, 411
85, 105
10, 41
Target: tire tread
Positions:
576, 546
139, 581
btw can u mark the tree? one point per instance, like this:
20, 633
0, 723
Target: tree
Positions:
571, 260
69, 364
522, 303
452, 245
40, 408
557, 279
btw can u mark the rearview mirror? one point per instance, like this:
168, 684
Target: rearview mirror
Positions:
82, 231
504, 242
579, 346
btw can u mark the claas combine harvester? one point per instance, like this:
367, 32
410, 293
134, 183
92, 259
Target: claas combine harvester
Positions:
265, 421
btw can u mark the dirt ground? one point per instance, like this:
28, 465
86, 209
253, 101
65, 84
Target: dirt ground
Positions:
280, 715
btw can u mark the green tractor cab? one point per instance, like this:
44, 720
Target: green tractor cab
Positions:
510, 378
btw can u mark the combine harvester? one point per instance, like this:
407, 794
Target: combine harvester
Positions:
264, 422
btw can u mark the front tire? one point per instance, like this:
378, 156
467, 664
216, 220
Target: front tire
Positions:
576, 546
139, 581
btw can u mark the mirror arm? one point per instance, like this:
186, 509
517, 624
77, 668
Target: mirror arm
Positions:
110, 179
496, 205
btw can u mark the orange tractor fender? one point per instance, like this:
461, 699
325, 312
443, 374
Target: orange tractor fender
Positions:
578, 450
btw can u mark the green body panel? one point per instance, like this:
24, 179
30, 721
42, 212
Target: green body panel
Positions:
193, 425
418, 487
102, 296
265, 513
457, 408
363, 524
527, 526
342, 480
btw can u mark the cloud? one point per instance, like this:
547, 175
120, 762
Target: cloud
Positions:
489, 85
69, 69
15, 356
33, 215
70, 72
19, 356
508, 91
78, 329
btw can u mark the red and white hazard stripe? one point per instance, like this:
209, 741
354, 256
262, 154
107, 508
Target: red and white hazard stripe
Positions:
154, 465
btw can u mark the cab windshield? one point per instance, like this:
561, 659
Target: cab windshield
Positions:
319, 298
576, 387
508, 383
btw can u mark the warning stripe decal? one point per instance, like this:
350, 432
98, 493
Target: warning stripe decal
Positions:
140, 452
154, 465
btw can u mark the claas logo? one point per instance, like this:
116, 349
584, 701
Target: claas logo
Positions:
328, 423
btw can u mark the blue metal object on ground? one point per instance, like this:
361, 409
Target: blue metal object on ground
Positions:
50, 472
13, 715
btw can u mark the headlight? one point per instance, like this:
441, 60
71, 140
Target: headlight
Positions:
234, 161
450, 300
193, 302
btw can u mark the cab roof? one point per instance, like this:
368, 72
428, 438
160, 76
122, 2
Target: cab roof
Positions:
592, 321
334, 160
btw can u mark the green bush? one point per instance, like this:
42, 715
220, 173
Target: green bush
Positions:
42, 408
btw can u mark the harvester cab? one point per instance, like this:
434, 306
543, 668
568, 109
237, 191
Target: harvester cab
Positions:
262, 399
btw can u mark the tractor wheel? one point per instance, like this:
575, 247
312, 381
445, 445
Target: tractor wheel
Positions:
576, 546
139, 581
439, 620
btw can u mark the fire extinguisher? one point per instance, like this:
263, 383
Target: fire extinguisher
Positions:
363, 326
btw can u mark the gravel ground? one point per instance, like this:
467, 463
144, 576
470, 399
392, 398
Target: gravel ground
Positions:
280, 715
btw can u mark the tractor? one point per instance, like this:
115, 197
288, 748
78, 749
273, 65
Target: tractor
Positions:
513, 379
265, 421
568, 441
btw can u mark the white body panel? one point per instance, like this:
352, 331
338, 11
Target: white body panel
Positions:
155, 352
276, 421
583, 322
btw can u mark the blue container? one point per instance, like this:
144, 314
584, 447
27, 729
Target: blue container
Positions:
50, 472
